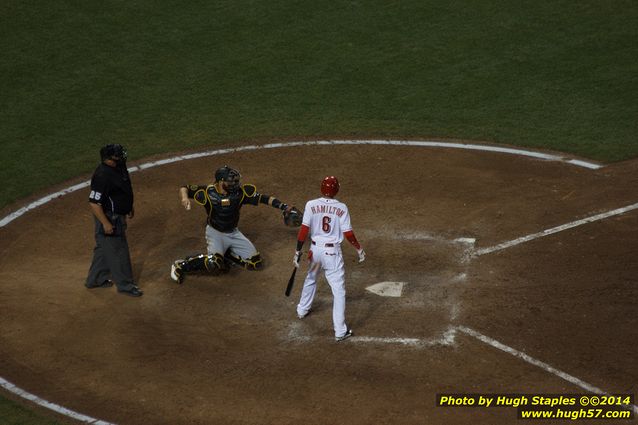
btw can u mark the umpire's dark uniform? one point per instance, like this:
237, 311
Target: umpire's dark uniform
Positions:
111, 189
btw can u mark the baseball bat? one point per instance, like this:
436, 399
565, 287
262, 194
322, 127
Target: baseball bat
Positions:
291, 281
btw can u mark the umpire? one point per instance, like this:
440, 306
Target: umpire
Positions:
111, 201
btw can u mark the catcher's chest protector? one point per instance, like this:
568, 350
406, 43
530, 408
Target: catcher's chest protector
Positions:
223, 210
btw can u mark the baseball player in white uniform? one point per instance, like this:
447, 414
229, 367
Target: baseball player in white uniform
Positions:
327, 220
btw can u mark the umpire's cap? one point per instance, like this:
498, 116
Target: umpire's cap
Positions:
115, 150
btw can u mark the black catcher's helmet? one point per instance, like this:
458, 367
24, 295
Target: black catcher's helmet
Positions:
229, 176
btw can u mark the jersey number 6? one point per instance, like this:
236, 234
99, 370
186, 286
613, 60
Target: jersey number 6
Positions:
326, 224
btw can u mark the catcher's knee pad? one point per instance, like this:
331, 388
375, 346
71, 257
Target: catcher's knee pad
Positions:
215, 264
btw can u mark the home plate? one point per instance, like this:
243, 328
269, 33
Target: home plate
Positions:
387, 289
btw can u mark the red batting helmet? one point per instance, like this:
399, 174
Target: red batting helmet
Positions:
330, 186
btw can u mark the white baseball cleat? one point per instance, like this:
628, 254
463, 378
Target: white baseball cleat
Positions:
301, 316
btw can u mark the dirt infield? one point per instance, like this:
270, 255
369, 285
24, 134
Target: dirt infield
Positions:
230, 350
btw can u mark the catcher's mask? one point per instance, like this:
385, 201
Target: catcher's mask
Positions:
114, 152
330, 186
229, 178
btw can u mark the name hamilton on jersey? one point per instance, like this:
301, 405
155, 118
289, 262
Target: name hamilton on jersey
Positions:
327, 209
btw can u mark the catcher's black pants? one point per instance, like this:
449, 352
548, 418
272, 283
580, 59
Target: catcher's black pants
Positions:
111, 258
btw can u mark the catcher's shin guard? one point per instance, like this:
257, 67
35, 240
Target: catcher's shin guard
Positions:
253, 263
214, 264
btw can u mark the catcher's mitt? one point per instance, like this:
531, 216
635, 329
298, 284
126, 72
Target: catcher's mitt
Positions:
293, 217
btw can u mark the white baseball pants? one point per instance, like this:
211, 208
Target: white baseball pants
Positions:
330, 260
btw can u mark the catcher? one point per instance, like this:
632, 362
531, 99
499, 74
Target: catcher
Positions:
222, 201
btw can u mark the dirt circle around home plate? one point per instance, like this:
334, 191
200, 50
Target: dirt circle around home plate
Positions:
230, 349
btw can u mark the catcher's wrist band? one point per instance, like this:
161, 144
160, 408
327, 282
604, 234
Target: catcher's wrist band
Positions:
273, 202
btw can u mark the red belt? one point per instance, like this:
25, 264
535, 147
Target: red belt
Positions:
327, 245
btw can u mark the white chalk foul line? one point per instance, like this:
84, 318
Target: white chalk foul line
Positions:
9, 218
553, 230
565, 376
51, 406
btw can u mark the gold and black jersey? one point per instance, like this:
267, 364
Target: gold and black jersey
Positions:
222, 210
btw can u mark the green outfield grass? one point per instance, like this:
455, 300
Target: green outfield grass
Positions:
14, 414
171, 76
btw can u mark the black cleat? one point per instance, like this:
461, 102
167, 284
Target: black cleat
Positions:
105, 284
134, 292
347, 335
